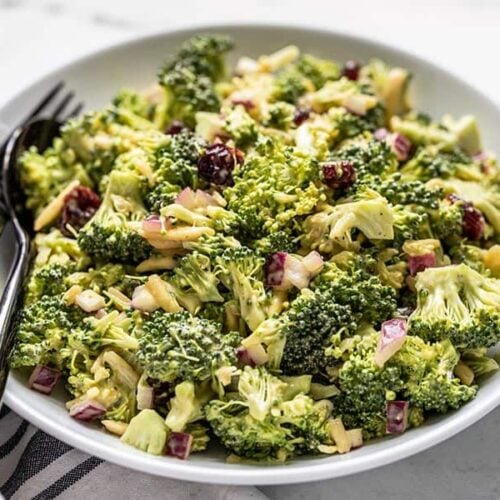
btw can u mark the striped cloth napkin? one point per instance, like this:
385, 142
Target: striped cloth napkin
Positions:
34, 465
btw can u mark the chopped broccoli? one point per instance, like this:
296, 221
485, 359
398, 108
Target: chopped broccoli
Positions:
334, 225
111, 382
241, 271
109, 235
241, 127
43, 330
273, 189
148, 432
457, 303
189, 77
262, 424
181, 347
318, 71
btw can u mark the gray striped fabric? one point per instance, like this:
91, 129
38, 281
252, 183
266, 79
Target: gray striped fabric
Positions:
34, 465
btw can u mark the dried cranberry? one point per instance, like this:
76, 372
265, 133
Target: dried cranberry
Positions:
275, 268
339, 175
472, 222
418, 263
218, 162
175, 127
301, 115
351, 70
401, 146
79, 207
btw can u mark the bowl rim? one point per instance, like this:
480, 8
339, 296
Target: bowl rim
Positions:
258, 475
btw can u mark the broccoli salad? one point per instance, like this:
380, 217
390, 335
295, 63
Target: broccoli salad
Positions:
284, 258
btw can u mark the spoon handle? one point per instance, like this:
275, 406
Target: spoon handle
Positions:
9, 299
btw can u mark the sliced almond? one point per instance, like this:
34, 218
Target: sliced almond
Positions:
90, 301
339, 435
117, 428
156, 264
52, 211
160, 290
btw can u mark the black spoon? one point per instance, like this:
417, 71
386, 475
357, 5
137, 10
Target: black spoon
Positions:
39, 133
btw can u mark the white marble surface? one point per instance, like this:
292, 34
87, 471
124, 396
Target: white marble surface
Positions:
37, 35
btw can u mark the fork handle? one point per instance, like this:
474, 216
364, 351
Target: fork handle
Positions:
9, 300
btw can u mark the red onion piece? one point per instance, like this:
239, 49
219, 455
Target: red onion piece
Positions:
152, 224
392, 337
88, 410
381, 134
244, 356
417, 263
44, 379
472, 222
179, 445
400, 145
397, 416
275, 269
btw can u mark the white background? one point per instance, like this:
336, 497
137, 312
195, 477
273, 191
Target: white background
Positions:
464, 35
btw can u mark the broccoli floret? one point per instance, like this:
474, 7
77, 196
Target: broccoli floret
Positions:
419, 373
366, 388
348, 125
241, 127
200, 437
438, 390
148, 432
174, 169
45, 175
370, 300
189, 77
213, 246
289, 85
280, 115
312, 318
369, 158
241, 271
187, 405
109, 235
181, 347
334, 225
194, 272
405, 192
446, 222
340, 303
111, 382
98, 279
42, 332
47, 280
274, 188
131, 101
280, 241
479, 361
318, 71
410, 225
261, 424
113, 330
457, 303
430, 162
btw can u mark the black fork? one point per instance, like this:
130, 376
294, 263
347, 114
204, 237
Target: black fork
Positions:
38, 129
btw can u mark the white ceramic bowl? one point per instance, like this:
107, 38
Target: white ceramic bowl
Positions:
95, 79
